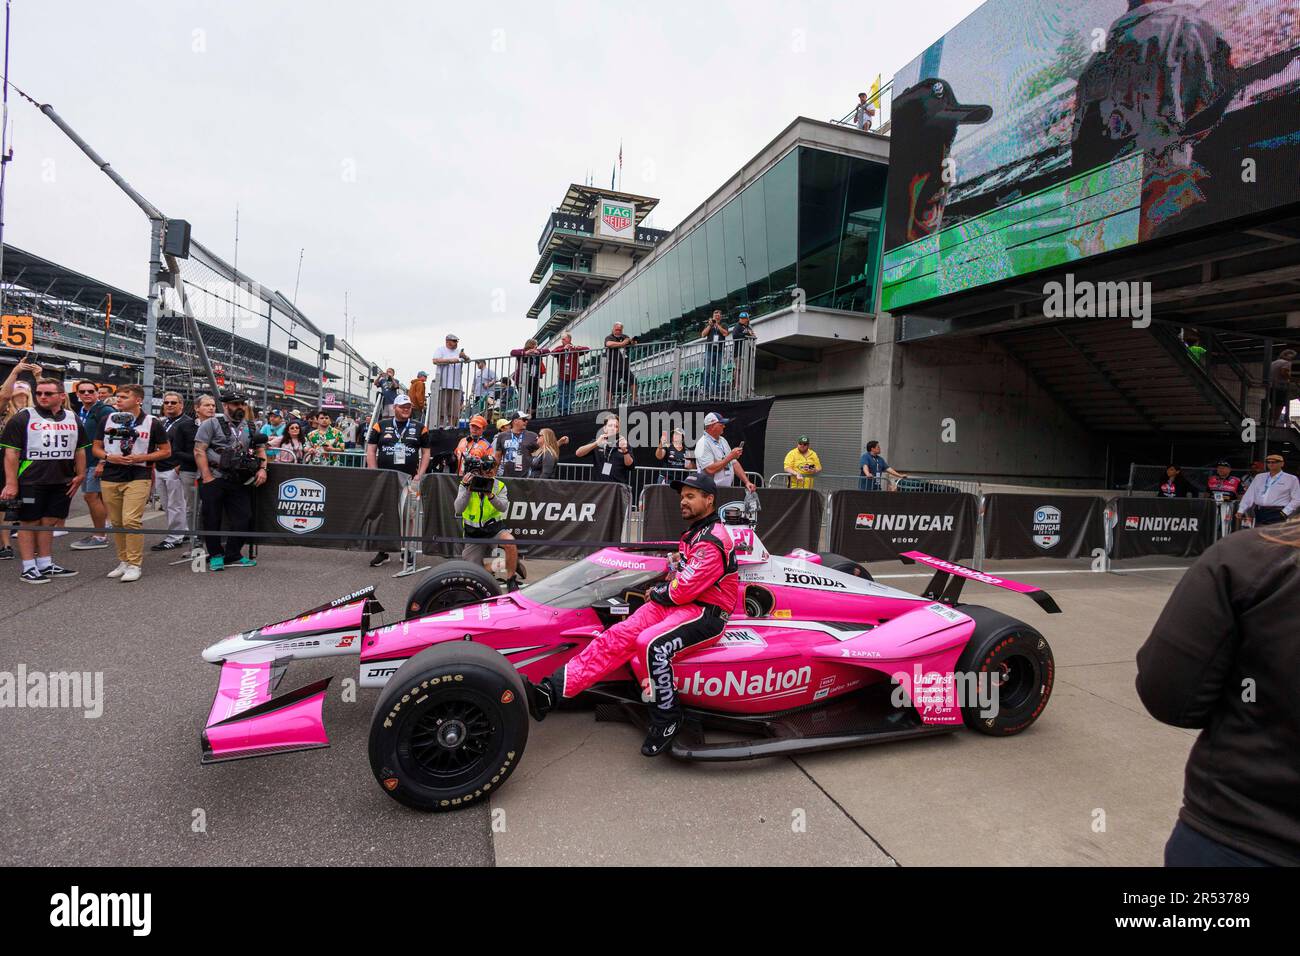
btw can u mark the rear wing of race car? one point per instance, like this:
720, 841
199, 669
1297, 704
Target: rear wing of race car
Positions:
945, 587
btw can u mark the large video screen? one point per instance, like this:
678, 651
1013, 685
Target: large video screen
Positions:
1038, 132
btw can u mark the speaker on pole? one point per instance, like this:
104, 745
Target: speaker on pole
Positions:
176, 240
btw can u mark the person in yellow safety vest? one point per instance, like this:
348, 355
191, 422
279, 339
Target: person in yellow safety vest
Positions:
801, 463
482, 505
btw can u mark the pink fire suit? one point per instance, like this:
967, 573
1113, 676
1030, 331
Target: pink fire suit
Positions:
699, 598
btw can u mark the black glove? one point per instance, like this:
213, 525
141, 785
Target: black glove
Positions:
659, 594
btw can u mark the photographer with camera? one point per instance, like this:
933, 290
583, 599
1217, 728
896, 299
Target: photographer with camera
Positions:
482, 505
44, 465
231, 461
129, 442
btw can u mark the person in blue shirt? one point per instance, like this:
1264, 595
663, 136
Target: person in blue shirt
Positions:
874, 468
274, 427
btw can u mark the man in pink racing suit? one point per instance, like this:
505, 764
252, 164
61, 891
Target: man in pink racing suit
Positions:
688, 611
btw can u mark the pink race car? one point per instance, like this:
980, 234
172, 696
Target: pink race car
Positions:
816, 656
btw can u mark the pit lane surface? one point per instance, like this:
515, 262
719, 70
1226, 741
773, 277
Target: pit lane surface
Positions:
1095, 781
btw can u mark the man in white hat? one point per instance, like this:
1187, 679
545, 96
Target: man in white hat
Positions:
451, 389
715, 458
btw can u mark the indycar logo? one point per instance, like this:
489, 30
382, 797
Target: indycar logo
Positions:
300, 505
812, 580
1161, 524
869, 521
1047, 526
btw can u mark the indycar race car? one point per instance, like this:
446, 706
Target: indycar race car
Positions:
817, 655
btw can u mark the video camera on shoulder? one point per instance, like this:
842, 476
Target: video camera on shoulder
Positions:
480, 472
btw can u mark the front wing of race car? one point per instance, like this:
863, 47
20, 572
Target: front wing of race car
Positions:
245, 719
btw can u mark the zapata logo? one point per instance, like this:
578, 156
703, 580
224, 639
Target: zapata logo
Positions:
615, 216
1047, 526
865, 521
300, 505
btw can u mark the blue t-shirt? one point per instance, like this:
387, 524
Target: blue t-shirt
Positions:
274, 431
878, 466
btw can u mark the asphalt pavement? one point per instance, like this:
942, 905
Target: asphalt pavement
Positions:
1095, 781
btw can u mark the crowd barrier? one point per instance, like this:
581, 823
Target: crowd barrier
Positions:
788, 518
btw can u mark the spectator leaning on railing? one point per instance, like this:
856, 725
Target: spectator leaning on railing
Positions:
876, 470
1174, 485
448, 358
566, 376
863, 113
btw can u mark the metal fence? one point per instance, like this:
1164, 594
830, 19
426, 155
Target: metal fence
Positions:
829, 483
558, 382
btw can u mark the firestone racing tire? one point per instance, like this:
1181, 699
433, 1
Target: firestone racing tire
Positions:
449, 727
451, 584
837, 562
1021, 667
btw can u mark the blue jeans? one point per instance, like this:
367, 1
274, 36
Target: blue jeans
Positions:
564, 391
1188, 847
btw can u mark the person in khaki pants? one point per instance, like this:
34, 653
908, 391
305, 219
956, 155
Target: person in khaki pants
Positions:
129, 442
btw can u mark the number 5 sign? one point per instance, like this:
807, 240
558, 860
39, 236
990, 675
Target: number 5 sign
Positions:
16, 331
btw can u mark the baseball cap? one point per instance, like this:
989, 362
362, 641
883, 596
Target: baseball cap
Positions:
518, 414
425, 374
501, 423
479, 420
696, 479
744, 315
932, 106
453, 336
402, 400
232, 398
1223, 462
713, 418
803, 439
1275, 457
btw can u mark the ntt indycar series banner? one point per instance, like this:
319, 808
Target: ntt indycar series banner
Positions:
305, 502
1042, 526
1181, 527
567, 510
880, 525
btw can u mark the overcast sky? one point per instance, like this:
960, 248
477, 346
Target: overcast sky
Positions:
414, 149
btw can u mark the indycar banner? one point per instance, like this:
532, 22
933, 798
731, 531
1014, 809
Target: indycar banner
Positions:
881, 525
788, 518
567, 510
1042, 526
1182, 527
304, 501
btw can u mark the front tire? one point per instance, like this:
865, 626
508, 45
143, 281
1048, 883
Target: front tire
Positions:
449, 727
449, 585
1020, 668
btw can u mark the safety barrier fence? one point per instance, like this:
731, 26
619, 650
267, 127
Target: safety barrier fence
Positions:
354, 509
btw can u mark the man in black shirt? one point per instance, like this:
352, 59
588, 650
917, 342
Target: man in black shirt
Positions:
611, 458
399, 444
715, 334
130, 442
44, 465
741, 333
175, 495
92, 411
618, 366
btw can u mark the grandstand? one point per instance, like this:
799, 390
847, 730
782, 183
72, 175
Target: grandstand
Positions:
258, 340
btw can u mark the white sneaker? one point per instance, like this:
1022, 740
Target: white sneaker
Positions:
120, 570
132, 573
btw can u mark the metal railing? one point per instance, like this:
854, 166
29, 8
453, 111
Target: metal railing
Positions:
829, 483
882, 121
547, 383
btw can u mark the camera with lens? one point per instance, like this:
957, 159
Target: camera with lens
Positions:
121, 429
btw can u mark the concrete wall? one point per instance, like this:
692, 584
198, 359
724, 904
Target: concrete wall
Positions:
1003, 422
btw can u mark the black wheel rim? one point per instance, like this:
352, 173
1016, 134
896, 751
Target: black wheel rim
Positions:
451, 739
1016, 678
455, 596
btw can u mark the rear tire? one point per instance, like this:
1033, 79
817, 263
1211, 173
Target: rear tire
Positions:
449, 727
837, 562
451, 584
1020, 666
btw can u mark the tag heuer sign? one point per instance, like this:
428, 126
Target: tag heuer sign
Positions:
617, 219
1047, 526
300, 505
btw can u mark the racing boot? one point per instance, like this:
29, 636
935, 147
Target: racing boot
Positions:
663, 728
542, 696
